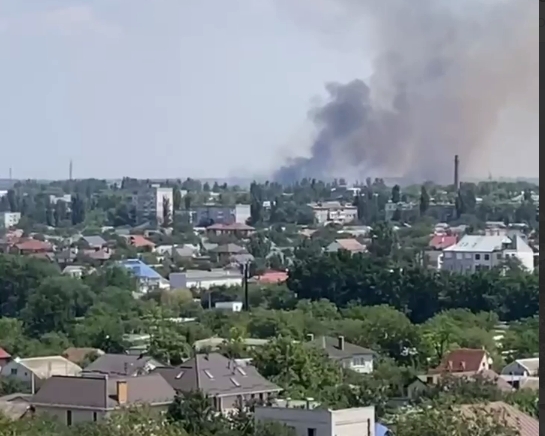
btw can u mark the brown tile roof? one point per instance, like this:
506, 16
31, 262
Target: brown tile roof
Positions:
139, 241
525, 424
272, 277
462, 360
99, 391
33, 245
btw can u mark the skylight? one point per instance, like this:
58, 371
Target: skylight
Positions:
179, 376
209, 374
241, 371
235, 382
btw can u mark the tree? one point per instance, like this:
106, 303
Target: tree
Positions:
256, 205
424, 200
77, 209
396, 194
167, 215
259, 246
194, 413
188, 199
176, 198
383, 240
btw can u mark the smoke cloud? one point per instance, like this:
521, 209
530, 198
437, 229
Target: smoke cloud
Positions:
444, 74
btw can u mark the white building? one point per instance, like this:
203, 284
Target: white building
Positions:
9, 219
476, 252
334, 211
522, 367
149, 203
205, 279
306, 420
230, 306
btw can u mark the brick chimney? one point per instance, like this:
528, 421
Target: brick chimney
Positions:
341, 342
122, 396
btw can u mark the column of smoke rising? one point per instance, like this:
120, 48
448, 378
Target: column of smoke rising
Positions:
445, 71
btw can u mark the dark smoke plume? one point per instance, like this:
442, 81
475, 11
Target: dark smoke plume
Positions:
443, 74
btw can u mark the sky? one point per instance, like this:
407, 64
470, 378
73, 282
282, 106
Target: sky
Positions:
161, 88
170, 89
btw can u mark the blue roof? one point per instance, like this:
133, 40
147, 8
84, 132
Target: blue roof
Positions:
140, 269
381, 430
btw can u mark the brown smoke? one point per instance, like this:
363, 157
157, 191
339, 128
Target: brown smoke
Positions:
443, 75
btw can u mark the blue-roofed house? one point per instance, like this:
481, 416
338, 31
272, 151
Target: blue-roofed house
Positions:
148, 278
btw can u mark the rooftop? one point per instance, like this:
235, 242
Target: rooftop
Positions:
479, 243
140, 269
121, 364
48, 366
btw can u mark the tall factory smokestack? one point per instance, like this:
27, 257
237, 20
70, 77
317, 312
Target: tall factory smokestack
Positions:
456, 172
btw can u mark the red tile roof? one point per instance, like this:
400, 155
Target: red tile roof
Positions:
440, 242
273, 277
139, 241
33, 245
4, 354
462, 360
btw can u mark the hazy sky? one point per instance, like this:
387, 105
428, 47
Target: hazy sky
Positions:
169, 88
161, 88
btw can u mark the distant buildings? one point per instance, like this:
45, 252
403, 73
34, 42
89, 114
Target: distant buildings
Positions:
334, 211
476, 252
205, 279
149, 203
217, 214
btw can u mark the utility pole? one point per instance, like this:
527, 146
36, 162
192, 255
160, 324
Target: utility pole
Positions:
246, 272
70, 168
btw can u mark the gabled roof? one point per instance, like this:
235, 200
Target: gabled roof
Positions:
122, 364
440, 242
216, 375
139, 241
4, 354
33, 245
140, 269
94, 241
480, 243
350, 244
531, 364
331, 347
100, 392
462, 360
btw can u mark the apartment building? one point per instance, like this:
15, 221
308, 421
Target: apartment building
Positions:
334, 211
308, 419
9, 219
476, 252
150, 201
218, 214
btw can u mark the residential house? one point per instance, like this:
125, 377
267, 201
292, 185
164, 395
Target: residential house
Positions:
308, 419
524, 424
215, 343
200, 279
66, 256
15, 406
122, 365
348, 355
32, 246
92, 398
239, 230
149, 203
148, 278
95, 242
100, 256
218, 214
334, 211
476, 252
271, 277
78, 355
351, 245
223, 380
75, 271
438, 243
522, 367
226, 251
35, 370
464, 360
9, 219
5, 357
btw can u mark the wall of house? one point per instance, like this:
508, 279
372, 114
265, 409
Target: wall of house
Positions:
514, 368
22, 373
359, 421
359, 363
78, 415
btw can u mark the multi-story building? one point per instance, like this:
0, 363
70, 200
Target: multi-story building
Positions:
334, 211
308, 419
149, 203
9, 219
476, 252
217, 214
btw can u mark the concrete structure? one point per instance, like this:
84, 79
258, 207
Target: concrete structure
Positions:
475, 252
9, 219
149, 203
217, 214
334, 211
205, 279
308, 420
34, 370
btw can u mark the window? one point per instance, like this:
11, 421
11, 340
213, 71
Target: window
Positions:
487, 257
477, 257
68, 417
13, 371
311, 432
499, 256
95, 417
447, 254
459, 256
